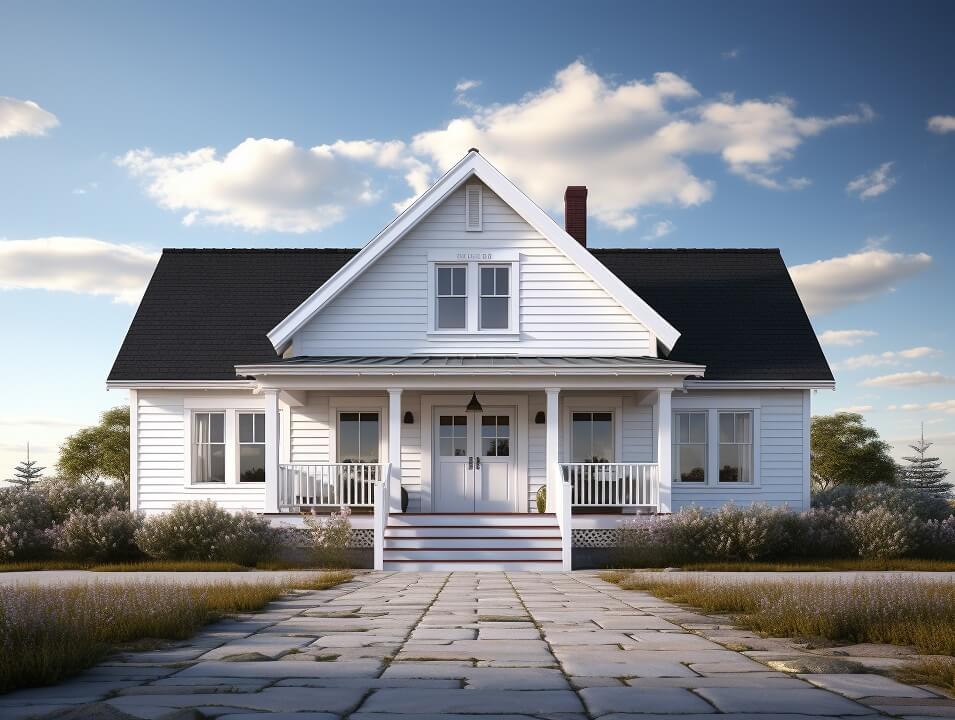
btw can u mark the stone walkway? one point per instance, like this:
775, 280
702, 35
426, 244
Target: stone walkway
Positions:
432, 645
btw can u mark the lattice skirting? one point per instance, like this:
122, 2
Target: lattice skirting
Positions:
595, 537
360, 537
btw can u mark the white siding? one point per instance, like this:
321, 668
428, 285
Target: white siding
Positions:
385, 310
537, 442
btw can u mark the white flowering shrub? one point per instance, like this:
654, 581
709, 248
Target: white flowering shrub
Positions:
900, 499
331, 536
89, 496
937, 539
753, 532
103, 537
821, 533
201, 530
882, 532
25, 524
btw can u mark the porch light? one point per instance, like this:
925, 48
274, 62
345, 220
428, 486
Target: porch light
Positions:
540, 418
409, 417
474, 405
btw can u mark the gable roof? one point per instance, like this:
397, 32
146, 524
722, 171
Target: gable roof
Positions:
206, 311
474, 165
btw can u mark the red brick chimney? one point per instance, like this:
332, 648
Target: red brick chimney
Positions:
575, 212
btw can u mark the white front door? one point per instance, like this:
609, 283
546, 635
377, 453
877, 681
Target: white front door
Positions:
475, 468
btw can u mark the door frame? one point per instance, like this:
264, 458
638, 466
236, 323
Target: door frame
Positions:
490, 399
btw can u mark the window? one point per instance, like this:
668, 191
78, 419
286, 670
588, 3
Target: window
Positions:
495, 298
208, 447
689, 447
251, 447
496, 435
451, 302
736, 447
591, 438
453, 435
358, 437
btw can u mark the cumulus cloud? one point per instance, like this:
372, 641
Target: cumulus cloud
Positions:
266, 184
828, 285
942, 124
855, 409
946, 406
465, 85
628, 142
846, 338
910, 379
660, 229
76, 264
888, 358
872, 184
24, 117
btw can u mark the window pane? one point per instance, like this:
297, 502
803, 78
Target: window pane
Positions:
259, 427
447, 447
444, 281
246, 428
451, 313
698, 427
459, 286
488, 426
502, 276
744, 428
602, 437
727, 427
581, 440
497, 447
368, 437
487, 281
252, 463
683, 428
216, 427
729, 463
494, 312
348, 443
503, 426
691, 463
202, 427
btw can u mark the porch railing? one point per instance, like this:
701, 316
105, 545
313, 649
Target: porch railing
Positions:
613, 484
330, 484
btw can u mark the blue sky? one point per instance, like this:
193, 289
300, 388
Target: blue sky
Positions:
805, 126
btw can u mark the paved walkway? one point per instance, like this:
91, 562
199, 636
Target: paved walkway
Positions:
432, 645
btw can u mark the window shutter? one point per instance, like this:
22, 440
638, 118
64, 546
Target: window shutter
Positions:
473, 211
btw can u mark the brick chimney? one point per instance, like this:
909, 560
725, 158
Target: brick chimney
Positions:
575, 212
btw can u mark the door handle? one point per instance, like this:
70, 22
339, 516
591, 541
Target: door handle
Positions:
470, 462
477, 460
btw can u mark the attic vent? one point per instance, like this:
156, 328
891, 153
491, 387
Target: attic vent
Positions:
473, 210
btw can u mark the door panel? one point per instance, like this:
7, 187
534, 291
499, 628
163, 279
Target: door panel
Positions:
495, 461
452, 447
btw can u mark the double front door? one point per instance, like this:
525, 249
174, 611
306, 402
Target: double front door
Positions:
475, 467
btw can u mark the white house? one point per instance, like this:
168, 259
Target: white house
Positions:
472, 353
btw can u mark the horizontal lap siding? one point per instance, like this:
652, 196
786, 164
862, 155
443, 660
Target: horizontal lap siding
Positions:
411, 451
536, 449
309, 431
385, 310
638, 434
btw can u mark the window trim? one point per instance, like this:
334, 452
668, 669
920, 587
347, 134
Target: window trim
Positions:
474, 262
338, 404
193, 445
357, 411
713, 408
752, 447
707, 450
435, 296
231, 406
481, 295
239, 444
571, 404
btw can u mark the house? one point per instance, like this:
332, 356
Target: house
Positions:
471, 354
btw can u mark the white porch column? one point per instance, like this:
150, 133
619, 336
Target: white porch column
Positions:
271, 450
664, 422
551, 455
394, 448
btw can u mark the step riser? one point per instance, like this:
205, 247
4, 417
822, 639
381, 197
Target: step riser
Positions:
479, 555
470, 543
535, 520
472, 567
468, 532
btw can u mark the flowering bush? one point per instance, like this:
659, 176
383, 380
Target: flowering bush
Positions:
109, 536
201, 530
821, 533
24, 524
331, 536
899, 499
89, 496
754, 532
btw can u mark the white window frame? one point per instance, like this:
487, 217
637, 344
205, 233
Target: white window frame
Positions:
193, 446
508, 296
339, 404
474, 261
239, 444
231, 406
435, 269
713, 408
572, 404
359, 412
751, 443
674, 444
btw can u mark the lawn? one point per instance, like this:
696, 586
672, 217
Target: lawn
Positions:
152, 566
905, 564
50, 633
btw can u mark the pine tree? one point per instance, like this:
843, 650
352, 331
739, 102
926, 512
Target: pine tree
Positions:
926, 473
26, 474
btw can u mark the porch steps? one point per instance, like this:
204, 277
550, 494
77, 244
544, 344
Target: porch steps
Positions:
472, 542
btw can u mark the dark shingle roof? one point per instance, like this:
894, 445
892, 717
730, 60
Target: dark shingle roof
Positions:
206, 311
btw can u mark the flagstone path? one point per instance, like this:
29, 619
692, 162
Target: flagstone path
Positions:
494, 646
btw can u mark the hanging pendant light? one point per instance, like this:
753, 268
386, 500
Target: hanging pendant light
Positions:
474, 405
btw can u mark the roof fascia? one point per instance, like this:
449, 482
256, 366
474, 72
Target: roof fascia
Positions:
761, 384
675, 370
179, 384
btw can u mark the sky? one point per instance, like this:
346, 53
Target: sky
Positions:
824, 129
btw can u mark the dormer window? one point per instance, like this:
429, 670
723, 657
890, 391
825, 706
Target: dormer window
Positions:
451, 301
494, 313
474, 293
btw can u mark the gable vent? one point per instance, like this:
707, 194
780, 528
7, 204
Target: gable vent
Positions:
473, 210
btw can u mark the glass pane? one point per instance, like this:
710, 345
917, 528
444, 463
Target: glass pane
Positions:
746, 463
744, 428
216, 427
691, 462
494, 313
501, 285
348, 438
503, 426
488, 426
259, 427
246, 428
581, 439
487, 281
681, 432
459, 286
216, 463
202, 427
445, 421
460, 446
729, 463
444, 281
698, 427
451, 313
727, 427
602, 437
497, 447
252, 463
368, 437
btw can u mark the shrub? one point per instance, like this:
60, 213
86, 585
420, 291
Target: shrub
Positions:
541, 499
821, 533
882, 532
88, 496
24, 524
331, 536
937, 539
899, 499
201, 530
109, 536
754, 532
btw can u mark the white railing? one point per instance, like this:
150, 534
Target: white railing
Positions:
612, 484
330, 484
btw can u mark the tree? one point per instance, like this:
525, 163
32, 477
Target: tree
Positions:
100, 451
26, 474
925, 473
846, 451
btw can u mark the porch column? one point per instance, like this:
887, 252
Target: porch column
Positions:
394, 448
271, 450
663, 420
551, 455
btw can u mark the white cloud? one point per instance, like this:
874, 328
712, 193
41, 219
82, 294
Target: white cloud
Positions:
888, 358
855, 409
24, 117
660, 229
732, 54
265, 184
942, 124
946, 406
627, 142
76, 264
910, 379
846, 338
85, 189
872, 184
464, 85
828, 285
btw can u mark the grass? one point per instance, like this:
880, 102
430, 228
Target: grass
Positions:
939, 672
912, 564
41, 565
153, 566
904, 611
50, 633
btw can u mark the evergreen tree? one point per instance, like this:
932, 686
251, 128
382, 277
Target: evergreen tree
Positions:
925, 473
26, 474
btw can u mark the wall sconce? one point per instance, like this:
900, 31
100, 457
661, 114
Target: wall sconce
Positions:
409, 417
539, 418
